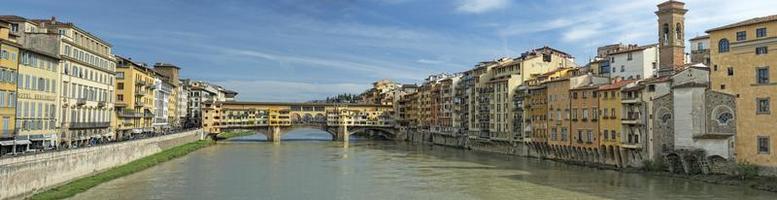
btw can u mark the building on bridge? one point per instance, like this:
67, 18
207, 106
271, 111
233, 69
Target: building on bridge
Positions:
274, 118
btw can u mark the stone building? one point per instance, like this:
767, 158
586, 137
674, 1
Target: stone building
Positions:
695, 125
742, 66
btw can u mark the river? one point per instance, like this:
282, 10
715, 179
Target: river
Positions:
306, 165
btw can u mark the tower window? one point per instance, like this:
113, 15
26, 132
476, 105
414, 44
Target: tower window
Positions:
679, 32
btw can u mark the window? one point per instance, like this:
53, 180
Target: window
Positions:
762, 105
723, 45
700, 46
761, 50
629, 56
763, 144
762, 75
722, 86
119, 86
623, 68
724, 118
730, 71
741, 36
14, 27
120, 75
761, 32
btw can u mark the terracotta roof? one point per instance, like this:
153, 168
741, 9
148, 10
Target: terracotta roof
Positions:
633, 49
657, 79
701, 37
690, 84
12, 18
746, 22
615, 85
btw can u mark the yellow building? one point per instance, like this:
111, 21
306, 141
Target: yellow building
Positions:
9, 64
610, 127
134, 98
742, 65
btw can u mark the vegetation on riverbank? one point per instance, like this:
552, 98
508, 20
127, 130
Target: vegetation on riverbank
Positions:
83, 184
231, 134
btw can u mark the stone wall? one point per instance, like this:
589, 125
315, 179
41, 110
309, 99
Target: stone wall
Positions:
25, 175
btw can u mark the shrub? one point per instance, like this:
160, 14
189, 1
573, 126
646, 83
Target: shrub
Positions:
654, 165
746, 170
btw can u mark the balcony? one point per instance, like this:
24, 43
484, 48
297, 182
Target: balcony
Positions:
139, 92
129, 114
88, 125
138, 104
120, 104
627, 100
631, 118
101, 104
81, 101
148, 114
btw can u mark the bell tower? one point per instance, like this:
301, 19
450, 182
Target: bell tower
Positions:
671, 36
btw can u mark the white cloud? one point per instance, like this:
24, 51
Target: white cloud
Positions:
582, 32
430, 62
265, 90
480, 6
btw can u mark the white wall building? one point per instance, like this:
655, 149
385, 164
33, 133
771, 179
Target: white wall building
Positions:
634, 62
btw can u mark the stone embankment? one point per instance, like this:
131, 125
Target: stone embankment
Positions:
25, 175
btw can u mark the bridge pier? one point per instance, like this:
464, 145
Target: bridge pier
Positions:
274, 134
342, 134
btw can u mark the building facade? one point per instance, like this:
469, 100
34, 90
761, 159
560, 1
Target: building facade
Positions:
9, 66
135, 99
742, 66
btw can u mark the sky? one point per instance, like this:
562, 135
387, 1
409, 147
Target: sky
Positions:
299, 50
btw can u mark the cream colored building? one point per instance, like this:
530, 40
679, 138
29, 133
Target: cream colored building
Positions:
38, 98
743, 63
88, 68
496, 88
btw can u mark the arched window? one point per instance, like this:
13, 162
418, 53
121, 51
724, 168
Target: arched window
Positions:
665, 35
723, 45
679, 31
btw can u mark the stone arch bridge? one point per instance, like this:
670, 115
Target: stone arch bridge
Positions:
273, 119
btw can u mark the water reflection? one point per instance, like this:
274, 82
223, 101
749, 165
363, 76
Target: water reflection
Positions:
322, 169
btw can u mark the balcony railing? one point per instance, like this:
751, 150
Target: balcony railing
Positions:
84, 125
81, 101
129, 114
101, 104
138, 104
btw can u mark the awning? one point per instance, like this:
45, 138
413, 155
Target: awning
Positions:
11, 142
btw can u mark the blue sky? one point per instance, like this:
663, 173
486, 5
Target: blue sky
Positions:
298, 50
